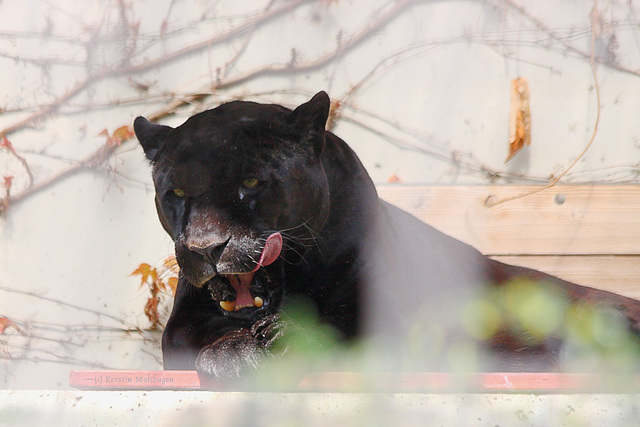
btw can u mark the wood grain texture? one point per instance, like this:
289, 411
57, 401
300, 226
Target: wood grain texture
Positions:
613, 273
591, 220
587, 234
359, 382
471, 382
134, 380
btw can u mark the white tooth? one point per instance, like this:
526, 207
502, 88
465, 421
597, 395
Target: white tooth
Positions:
228, 305
258, 302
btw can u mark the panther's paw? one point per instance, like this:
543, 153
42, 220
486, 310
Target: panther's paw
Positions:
231, 355
240, 351
268, 329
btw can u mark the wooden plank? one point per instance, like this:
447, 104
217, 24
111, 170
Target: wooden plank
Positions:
134, 380
562, 220
497, 382
354, 381
613, 273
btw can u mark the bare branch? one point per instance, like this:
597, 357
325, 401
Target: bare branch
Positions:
75, 307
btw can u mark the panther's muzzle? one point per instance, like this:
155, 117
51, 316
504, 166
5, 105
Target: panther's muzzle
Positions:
243, 283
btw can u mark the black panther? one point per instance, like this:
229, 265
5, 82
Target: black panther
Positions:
264, 204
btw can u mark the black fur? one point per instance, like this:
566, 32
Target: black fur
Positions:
368, 267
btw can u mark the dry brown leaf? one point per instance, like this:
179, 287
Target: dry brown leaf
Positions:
151, 310
7, 323
118, 136
145, 271
171, 264
5, 143
519, 117
335, 109
172, 282
394, 179
122, 134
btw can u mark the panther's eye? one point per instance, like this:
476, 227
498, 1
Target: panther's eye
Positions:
178, 192
250, 183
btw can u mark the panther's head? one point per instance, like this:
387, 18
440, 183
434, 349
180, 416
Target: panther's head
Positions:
239, 189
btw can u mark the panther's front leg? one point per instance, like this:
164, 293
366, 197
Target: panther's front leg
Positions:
241, 350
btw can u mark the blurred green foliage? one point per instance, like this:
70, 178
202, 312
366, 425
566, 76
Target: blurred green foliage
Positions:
593, 338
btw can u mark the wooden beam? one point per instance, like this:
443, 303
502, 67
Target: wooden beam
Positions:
613, 273
562, 220
354, 381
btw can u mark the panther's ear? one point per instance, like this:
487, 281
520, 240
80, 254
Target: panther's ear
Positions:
151, 136
312, 115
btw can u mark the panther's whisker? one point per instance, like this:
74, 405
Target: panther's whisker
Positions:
301, 256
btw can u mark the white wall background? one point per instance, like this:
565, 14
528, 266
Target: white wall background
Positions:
424, 94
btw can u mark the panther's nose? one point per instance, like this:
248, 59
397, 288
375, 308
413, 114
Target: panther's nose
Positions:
211, 253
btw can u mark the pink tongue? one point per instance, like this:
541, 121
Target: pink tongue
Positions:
242, 282
271, 251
